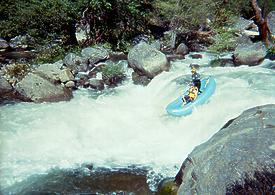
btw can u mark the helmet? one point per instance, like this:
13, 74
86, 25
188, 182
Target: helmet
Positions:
193, 69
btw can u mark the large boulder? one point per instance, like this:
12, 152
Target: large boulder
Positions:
249, 54
238, 159
54, 73
147, 60
5, 86
95, 54
75, 62
39, 89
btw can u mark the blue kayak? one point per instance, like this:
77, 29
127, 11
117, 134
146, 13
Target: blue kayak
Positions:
176, 108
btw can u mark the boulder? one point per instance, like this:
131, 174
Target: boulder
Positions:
95, 54
54, 73
249, 54
75, 62
49, 71
96, 83
140, 80
66, 75
5, 86
238, 159
82, 33
147, 60
70, 84
182, 49
39, 89
3, 44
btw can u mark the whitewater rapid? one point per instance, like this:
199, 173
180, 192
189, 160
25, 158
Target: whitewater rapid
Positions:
126, 126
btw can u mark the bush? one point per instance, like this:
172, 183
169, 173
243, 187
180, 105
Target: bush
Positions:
224, 41
114, 21
190, 14
110, 71
40, 19
17, 70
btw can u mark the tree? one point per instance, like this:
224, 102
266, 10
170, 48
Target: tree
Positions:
261, 20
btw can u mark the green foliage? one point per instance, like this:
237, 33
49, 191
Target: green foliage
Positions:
114, 70
116, 21
54, 53
224, 40
190, 14
271, 50
38, 18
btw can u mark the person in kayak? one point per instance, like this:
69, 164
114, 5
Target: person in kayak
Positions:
191, 96
195, 77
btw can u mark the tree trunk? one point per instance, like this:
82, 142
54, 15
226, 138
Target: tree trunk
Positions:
261, 22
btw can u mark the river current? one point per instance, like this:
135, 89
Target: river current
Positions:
127, 125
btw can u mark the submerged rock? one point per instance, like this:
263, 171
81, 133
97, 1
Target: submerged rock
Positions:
85, 180
238, 159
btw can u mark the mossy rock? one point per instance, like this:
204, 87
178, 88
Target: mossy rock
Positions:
168, 187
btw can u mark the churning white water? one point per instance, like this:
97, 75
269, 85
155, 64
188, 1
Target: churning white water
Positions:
126, 126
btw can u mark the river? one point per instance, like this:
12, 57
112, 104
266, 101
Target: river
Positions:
127, 125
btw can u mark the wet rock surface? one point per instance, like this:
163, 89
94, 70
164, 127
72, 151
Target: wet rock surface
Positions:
249, 54
85, 180
237, 159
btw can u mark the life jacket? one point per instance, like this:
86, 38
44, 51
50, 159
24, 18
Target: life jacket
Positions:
193, 93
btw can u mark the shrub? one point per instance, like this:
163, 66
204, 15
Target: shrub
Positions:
114, 70
17, 70
224, 41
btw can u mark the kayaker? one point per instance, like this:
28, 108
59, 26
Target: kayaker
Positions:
195, 77
191, 96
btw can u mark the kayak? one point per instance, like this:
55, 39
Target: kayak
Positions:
176, 108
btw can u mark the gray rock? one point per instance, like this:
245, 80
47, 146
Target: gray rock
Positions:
3, 44
244, 39
156, 44
241, 151
66, 75
49, 71
242, 24
75, 62
96, 83
182, 49
82, 33
21, 41
147, 60
5, 86
249, 54
54, 73
140, 80
39, 89
70, 84
95, 54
